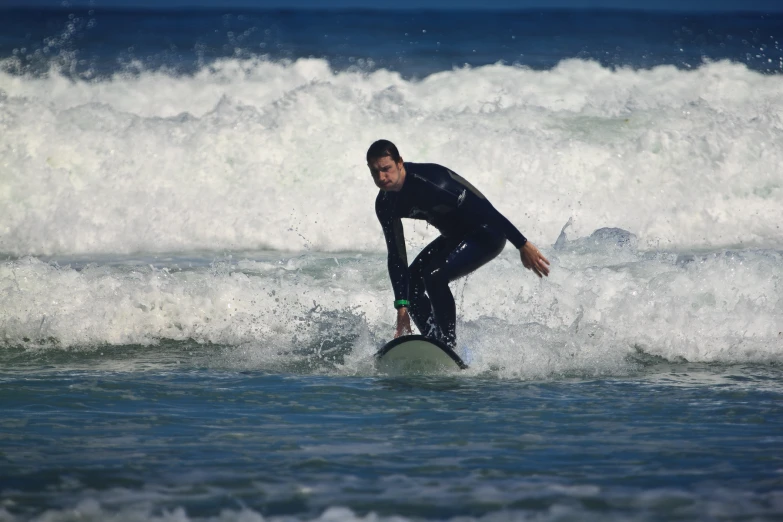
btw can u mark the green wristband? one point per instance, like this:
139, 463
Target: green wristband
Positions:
399, 303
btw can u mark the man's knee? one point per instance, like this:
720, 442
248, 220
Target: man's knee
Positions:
433, 279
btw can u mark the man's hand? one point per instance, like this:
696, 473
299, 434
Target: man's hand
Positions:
403, 323
533, 260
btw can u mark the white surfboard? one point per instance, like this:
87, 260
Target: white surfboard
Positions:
417, 354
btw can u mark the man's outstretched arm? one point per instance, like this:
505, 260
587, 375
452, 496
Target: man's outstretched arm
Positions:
531, 257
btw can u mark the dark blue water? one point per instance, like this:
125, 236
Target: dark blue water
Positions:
99, 42
688, 442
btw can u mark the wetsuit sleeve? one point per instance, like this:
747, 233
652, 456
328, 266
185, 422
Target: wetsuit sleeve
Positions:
395, 245
480, 208
477, 208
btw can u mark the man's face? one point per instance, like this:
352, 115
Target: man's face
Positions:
387, 175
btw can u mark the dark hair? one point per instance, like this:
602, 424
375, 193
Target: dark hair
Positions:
381, 149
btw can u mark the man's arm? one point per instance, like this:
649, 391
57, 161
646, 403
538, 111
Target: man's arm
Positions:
397, 263
481, 209
397, 259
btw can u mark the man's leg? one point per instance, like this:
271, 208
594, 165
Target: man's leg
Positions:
420, 310
473, 251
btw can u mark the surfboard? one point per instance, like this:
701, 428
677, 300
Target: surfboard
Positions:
418, 354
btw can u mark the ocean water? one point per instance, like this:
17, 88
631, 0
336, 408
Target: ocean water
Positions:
193, 282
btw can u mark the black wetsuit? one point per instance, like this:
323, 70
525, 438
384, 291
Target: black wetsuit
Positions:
472, 233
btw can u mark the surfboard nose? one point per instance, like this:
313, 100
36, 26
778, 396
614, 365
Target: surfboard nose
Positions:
417, 354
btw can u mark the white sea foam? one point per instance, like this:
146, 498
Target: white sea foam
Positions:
253, 154
563, 507
603, 306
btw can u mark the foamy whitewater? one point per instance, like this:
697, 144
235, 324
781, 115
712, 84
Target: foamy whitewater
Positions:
193, 281
241, 155
254, 156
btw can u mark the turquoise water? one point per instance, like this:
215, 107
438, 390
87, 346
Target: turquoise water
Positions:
94, 437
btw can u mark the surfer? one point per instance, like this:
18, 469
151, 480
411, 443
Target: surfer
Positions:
472, 232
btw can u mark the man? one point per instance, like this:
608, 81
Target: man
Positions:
472, 234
